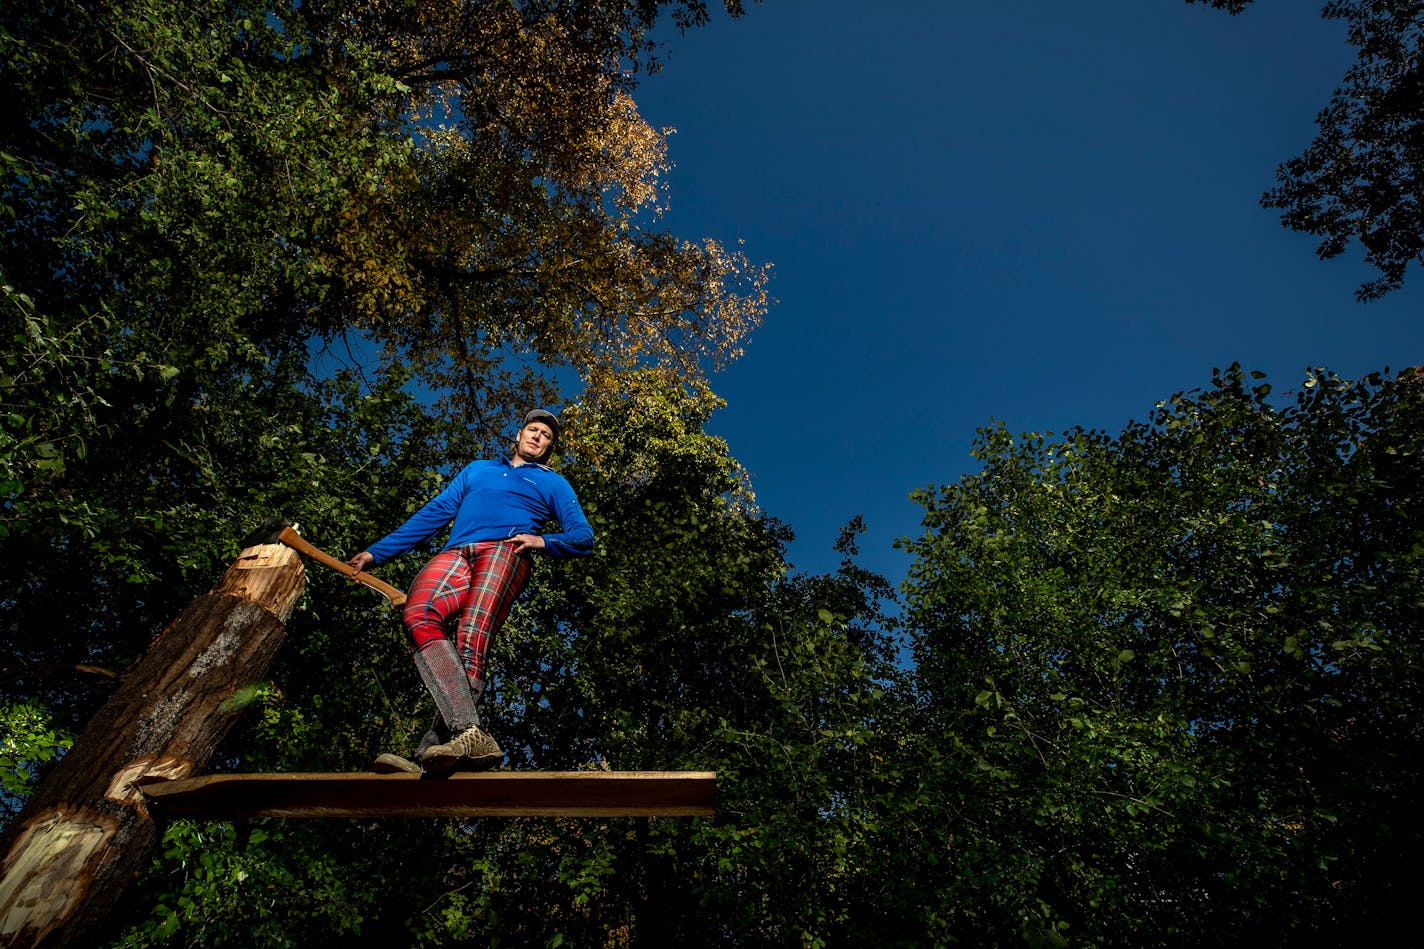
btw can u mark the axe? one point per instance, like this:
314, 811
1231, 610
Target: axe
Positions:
274, 530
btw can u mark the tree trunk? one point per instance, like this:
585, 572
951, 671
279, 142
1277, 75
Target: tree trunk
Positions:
87, 832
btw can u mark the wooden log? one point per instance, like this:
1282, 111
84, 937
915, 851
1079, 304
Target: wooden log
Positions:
87, 831
487, 794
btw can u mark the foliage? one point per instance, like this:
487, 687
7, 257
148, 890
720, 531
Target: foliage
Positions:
1169, 680
27, 741
518, 222
202, 206
53, 402
1362, 178
234, 880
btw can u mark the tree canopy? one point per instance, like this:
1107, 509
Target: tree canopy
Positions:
1362, 178
199, 201
1169, 679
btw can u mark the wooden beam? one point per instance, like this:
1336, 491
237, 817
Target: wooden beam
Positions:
462, 794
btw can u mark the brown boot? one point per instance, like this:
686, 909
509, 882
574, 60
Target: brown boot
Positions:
471, 750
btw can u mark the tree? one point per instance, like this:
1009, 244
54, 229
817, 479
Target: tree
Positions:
199, 202
205, 208
1362, 178
72, 850
1169, 680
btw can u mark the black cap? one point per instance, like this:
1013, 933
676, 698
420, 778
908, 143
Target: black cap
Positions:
541, 415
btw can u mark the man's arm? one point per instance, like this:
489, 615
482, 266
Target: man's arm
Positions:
575, 536
435, 514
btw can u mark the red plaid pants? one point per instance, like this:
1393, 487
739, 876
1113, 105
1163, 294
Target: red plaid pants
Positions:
470, 588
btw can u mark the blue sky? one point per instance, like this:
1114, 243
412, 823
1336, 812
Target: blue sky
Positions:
1039, 212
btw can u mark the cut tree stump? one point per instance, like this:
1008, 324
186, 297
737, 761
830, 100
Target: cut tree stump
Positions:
85, 832
484, 794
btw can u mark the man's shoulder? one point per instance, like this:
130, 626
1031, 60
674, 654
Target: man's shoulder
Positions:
544, 470
544, 473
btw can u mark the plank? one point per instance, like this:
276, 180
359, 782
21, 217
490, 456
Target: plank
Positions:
462, 794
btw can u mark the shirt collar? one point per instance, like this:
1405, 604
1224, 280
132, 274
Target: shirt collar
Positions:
527, 464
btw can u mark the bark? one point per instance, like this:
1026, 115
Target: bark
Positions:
87, 831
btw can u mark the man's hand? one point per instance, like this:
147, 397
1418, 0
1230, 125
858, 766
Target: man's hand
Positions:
524, 543
360, 562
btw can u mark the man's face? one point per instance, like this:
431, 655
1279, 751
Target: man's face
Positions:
534, 440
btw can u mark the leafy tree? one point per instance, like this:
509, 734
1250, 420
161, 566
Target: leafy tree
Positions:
1362, 178
1169, 680
26, 742
203, 205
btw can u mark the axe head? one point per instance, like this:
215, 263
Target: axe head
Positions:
270, 532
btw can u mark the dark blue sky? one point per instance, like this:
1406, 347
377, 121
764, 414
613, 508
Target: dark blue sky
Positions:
1034, 211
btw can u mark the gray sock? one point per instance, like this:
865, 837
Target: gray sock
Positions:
444, 675
438, 733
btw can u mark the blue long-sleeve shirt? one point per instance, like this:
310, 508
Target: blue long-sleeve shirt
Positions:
494, 500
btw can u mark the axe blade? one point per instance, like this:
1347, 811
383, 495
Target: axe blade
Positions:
269, 532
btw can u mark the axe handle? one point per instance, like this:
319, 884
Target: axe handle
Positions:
295, 541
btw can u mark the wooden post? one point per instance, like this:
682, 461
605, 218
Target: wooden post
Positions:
87, 831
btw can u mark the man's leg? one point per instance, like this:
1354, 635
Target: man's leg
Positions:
497, 576
443, 674
439, 594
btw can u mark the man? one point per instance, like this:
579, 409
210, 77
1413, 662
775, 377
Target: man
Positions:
461, 597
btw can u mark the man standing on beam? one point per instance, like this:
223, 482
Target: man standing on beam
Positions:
461, 597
